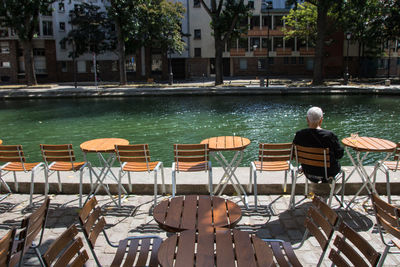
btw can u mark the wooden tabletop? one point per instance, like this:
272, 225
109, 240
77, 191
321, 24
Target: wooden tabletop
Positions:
194, 212
369, 144
102, 145
1, 141
220, 143
214, 247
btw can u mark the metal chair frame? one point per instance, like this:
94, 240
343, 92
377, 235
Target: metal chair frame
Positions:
138, 154
92, 223
388, 219
63, 153
277, 155
13, 154
318, 157
196, 155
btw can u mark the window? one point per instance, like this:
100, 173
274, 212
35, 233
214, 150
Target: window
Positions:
81, 66
293, 60
265, 44
197, 52
270, 61
47, 27
250, 4
310, 64
130, 65
278, 42
5, 64
4, 48
286, 60
61, 7
64, 66
62, 26
262, 64
254, 41
243, 64
278, 21
40, 65
114, 65
197, 34
301, 60
39, 52
196, 3
254, 22
398, 61
63, 45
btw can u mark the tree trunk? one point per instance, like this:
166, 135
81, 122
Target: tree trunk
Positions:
148, 62
219, 46
29, 65
319, 46
121, 54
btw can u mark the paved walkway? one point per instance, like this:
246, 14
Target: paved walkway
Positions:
272, 220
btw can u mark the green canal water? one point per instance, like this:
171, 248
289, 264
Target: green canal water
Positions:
163, 121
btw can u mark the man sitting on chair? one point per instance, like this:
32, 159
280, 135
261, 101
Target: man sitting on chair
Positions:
315, 136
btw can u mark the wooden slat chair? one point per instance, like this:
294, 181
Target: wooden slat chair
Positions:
390, 166
271, 157
283, 252
6, 245
31, 226
388, 220
191, 158
136, 158
14, 158
352, 249
131, 251
66, 250
61, 158
317, 157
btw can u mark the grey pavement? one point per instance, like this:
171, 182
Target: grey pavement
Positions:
272, 220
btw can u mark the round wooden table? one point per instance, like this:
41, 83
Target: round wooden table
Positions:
362, 144
1, 141
102, 145
214, 247
195, 212
219, 144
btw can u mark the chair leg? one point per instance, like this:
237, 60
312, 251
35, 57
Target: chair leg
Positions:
249, 186
292, 194
32, 188
155, 187
388, 187
173, 180
5, 183
210, 181
59, 182
162, 179
255, 190
15, 182
119, 189
383, 257
46, 183
331, 193
91, 178
130, 183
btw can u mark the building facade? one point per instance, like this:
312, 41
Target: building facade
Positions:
262, 51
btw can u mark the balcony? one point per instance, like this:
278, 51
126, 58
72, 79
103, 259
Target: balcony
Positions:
260, 52
263, 31
280, 51
237, 52
304, 51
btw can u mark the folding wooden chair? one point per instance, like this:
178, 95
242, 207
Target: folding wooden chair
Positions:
61, 158
390, 166
66, 250
131, 251
283, 253
388, 219
15, 161
31, 226
191, 158
271, 157
6, 245
316, 157
352, 249
136, 158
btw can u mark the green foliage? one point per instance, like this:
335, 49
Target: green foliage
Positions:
391, 19
23, 16
91, 30
302, 23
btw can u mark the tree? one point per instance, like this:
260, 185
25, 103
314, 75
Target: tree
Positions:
225, 21
23, 18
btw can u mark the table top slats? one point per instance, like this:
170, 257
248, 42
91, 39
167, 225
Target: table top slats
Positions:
160, 211
189, 213
204, 213
224, 248
244, 249
102, 145
173, 218
234, 213
166, 253
369, 144
221, 143
205, 247
186, 249
264, 254
220, 212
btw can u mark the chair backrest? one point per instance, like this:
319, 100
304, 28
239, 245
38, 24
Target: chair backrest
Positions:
274, 152
397, 155
352, 249
313, 156
60, 153
387, 217
191, 152
133, 153
66, 250
6, 245
91, 221
12, 153
31, 226
321, 221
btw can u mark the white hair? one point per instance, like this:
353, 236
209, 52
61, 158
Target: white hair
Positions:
314, 114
